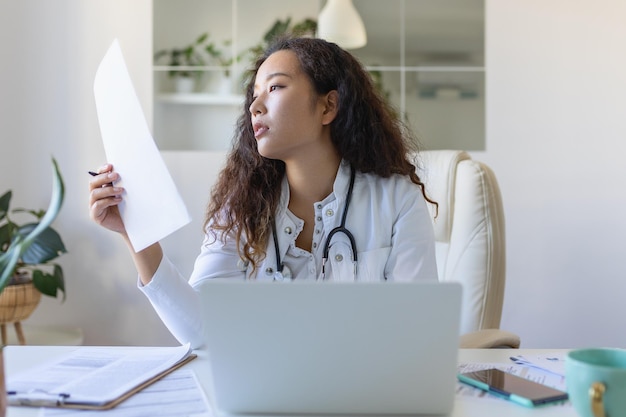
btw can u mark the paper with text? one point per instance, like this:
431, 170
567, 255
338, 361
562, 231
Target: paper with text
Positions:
152, 207
94, 375
177, 394
550, 363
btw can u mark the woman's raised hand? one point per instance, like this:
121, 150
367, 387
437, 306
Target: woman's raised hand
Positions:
104, 198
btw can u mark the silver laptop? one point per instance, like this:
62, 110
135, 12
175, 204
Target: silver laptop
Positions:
333, 348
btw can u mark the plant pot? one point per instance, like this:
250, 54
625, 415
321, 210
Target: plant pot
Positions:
184, 85
17, 302
219, 83
224, 84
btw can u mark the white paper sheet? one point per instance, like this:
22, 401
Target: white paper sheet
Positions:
550, 363
152, 207
93, 375
177, 394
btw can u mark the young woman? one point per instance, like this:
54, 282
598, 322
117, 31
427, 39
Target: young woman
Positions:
318, 186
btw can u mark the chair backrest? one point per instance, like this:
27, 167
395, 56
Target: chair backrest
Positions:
469, 232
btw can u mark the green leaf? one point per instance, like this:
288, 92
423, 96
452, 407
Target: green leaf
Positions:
4, 204
307, 26
8, 260
49, 284
6, 231
60, 278
280, 27
45, 247
37, 213
202, 38
58, 192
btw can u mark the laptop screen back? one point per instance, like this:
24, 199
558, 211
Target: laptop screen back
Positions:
354, 348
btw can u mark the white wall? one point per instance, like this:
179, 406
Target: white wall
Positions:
556, 94
50, 54
556, 137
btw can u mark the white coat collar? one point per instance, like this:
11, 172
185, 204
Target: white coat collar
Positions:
340, 188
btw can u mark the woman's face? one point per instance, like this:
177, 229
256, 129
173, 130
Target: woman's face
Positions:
290, 120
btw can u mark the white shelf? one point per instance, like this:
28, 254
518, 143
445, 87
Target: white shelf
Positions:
427, 68
438, 85
202, 98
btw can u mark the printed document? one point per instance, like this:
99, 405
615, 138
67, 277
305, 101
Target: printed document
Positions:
94, 377
176, 395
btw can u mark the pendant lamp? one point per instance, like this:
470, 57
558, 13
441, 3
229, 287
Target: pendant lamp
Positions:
340, 22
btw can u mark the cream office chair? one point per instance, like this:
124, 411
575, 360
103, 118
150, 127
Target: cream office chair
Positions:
469, 234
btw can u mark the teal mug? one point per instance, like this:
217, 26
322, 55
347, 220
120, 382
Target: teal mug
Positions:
596, 381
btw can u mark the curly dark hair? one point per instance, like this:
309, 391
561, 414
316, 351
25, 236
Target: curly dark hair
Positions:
366, 132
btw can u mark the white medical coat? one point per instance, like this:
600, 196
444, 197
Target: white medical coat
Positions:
388, 218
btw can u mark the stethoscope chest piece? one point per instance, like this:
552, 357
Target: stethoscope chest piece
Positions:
284, 275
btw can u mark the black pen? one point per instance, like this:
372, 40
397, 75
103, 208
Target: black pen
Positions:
93, 174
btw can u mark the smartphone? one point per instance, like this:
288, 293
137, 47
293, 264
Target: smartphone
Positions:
512, 387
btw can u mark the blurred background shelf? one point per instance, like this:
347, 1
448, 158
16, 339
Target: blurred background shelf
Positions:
426, 57
201, 98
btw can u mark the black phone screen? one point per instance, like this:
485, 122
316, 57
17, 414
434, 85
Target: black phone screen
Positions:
509, 384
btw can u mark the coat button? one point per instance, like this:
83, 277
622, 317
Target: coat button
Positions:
288, 230
269, 271
329, 212
339, 257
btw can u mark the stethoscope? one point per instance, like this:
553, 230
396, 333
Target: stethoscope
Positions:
283, 272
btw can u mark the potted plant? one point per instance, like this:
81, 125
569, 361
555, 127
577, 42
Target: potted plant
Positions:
26, 252
185, 57
304, 28
216, 55
21, 241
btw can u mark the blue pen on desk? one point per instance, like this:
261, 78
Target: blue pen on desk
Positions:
521, 361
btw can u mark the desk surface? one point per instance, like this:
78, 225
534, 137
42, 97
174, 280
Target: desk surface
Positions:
17, 358
46, 335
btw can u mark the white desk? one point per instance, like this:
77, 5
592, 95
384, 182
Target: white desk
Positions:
46, 335
17, 358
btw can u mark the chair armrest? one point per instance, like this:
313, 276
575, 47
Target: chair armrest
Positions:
489, 338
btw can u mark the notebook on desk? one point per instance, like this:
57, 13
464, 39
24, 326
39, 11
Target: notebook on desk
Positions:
333, 348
